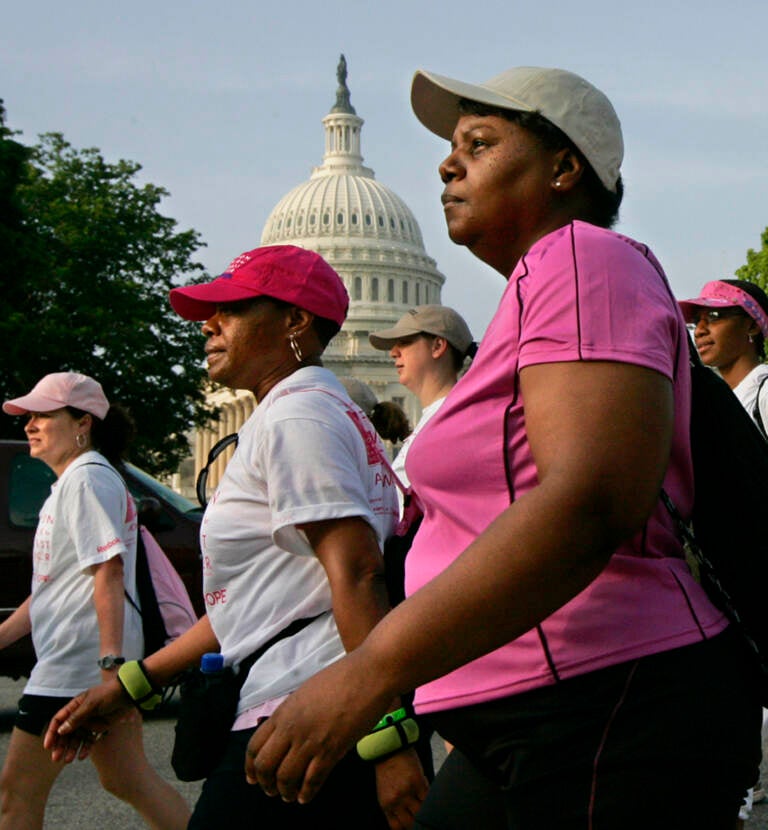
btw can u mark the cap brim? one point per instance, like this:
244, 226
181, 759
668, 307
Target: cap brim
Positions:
435, 101
386, 338
31, 403
689, 307
198, 302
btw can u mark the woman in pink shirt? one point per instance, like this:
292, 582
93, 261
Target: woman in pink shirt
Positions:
552, 630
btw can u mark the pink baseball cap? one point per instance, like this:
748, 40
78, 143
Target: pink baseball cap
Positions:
62, 389
721, 294
283, 272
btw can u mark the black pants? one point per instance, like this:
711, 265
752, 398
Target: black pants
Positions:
347, 800
667, 741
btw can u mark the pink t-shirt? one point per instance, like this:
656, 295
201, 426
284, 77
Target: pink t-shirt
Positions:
580, 293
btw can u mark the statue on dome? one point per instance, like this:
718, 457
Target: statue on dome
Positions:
343, 103
341, 71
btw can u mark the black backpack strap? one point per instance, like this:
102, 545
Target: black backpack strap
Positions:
152, 622
292, 628
143, 577
202, 476
756, 416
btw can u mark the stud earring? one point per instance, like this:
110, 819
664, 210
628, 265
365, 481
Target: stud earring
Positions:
295, 347
557, 183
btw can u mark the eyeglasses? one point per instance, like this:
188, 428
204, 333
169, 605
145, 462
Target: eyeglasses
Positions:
712, 315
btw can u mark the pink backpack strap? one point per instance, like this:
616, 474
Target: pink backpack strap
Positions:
375, 453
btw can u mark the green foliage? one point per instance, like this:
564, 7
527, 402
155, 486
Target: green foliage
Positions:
756, 268
86, 264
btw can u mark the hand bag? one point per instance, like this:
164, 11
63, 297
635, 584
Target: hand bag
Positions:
207, 709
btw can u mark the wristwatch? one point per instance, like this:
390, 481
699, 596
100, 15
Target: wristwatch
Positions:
109, 661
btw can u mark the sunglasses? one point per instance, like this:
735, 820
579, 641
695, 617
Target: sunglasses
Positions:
712, 315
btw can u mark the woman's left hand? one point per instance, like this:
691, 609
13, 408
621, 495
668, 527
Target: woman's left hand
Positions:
401, 786
75, 745
75, 727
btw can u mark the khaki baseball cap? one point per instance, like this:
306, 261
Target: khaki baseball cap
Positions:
571, 103
426, 319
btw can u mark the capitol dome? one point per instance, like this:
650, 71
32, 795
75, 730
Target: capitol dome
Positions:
343, 197
369, 235
372, 239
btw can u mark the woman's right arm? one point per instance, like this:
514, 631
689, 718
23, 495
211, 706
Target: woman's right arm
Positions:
599, 469
18, 625
101, 704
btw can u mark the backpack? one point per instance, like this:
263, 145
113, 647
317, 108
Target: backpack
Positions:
163, 602
727, 536
756, 416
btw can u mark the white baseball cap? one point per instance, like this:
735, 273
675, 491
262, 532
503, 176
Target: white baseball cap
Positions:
569, 102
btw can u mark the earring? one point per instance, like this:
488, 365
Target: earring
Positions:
80, 440
558, 183
750, 338
295, 348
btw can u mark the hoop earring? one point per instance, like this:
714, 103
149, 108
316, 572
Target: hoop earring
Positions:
295, 347
80, 440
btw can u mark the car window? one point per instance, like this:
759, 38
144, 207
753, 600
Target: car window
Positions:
30, 485
160, 491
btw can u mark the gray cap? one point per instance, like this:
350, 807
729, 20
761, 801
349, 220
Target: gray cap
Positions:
579, 109
428, 319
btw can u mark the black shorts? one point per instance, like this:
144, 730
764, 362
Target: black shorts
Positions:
671, 740
36, 711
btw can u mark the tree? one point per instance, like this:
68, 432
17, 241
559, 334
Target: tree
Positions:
89, 290
18, 244
756, 268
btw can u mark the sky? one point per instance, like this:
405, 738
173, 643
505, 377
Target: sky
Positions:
221, 103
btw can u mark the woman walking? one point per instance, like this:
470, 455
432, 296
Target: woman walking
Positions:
83, 630
291, 543
428, 346
731, 324
553, 629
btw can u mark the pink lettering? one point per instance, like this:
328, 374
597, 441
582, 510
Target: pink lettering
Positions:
371, 444
216, 597
103, 548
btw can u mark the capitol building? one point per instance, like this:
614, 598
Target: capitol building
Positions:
372, 239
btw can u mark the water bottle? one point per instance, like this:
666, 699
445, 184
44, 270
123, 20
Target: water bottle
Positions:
212, 663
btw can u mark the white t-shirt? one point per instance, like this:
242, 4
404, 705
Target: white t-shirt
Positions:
746, 392
398, 465
88, 519
300, 458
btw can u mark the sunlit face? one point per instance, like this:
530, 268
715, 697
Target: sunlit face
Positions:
498, 180
246, 343
413, 360
722, 335
53, 438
